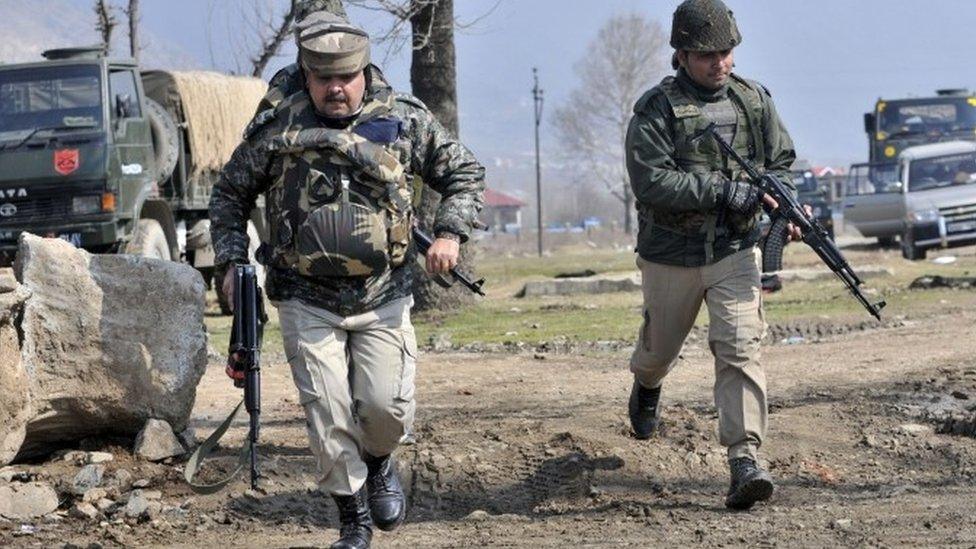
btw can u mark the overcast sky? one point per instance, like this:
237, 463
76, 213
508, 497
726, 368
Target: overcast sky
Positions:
824, 61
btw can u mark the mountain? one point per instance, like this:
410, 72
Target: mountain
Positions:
28, 28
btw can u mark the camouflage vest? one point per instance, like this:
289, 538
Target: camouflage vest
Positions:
341, 207
704, 155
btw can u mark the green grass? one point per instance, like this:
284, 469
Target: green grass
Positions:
504, 318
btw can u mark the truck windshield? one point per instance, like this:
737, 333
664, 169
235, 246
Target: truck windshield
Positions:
934, 115
942, 171
62, 96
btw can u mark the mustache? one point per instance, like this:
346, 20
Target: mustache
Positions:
336, 97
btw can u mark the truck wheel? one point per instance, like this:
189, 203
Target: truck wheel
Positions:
886, 241
149, 240
166, 139
218, 285
911, 252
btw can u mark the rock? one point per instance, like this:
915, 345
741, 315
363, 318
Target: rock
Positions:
98, 457
16, 407
841, 524
83, 510
94, 494
478, 515
136, 506
122, 479
22, 501
588, 285
90, 476
156, 441
109, 341
104, 504
915, 429
141, 483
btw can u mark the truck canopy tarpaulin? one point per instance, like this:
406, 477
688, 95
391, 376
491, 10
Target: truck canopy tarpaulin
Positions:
219, 106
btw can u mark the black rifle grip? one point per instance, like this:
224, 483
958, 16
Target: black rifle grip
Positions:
772, 252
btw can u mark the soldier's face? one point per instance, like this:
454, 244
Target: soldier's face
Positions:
336, 95
709, 69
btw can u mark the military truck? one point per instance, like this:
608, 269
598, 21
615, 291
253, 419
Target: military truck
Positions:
810, 193
927, 199
114, 159
896, 124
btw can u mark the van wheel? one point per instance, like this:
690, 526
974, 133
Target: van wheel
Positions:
886, 241
149, 240
911, 252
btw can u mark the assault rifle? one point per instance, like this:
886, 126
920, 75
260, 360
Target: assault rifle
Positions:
790, 211
424, 243
244, 366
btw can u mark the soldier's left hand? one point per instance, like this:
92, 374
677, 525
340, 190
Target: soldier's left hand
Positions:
442, 256
793, 230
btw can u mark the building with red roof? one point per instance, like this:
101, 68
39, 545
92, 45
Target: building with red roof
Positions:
502, 212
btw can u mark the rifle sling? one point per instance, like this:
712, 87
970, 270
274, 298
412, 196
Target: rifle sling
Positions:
203, 451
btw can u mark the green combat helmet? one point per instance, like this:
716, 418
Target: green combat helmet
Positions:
704, 25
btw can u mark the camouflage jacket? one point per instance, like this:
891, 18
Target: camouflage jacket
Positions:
678, 183
425, 150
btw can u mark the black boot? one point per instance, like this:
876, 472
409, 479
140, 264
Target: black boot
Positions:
386, 501
355, 527
749, 484
645, 412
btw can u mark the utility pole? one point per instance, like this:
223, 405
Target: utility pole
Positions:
537, 103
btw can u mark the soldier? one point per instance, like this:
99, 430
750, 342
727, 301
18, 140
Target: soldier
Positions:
698, 232
336, 161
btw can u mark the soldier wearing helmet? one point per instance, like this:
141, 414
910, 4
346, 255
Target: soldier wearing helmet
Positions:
335, 151
698, 232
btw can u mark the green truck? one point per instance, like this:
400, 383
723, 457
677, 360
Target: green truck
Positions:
114, 159
896, 124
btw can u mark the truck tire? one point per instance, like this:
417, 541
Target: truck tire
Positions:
886, 241
166, 139
910, 251
254, 242
149, 240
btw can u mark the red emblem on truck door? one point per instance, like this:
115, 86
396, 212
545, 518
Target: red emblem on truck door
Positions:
65, 161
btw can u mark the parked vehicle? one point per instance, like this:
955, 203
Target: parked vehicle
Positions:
896, 124
115, 160
810, 193
927, 199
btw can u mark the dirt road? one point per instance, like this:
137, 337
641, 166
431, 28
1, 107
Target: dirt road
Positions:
533, 450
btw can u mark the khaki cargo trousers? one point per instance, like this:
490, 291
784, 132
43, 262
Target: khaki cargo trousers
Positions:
355, 379
731, 290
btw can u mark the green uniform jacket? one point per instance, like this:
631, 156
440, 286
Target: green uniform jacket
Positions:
678, 184
425, 149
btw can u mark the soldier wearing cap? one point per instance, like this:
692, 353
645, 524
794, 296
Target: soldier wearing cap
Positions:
698, 232
335, 152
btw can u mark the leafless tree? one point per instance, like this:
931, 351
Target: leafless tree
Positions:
132, 12
628, 55
106, 22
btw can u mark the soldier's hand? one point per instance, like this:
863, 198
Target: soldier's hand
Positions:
794, 231
742, 197
228, 287
442, 256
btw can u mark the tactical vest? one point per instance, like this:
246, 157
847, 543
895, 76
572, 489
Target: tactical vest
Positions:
341, 206
705, 156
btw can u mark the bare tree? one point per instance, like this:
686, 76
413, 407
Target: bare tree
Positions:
106, 23
132, 12
628, 55
272, 41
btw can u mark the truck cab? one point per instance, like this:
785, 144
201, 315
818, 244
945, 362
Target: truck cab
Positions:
76, 150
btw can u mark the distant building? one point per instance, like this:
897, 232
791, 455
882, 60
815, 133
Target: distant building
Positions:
502, 212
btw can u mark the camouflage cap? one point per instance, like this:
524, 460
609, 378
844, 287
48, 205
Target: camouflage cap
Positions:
329, 45
704, 25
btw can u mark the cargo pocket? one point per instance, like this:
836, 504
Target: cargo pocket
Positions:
408, 365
